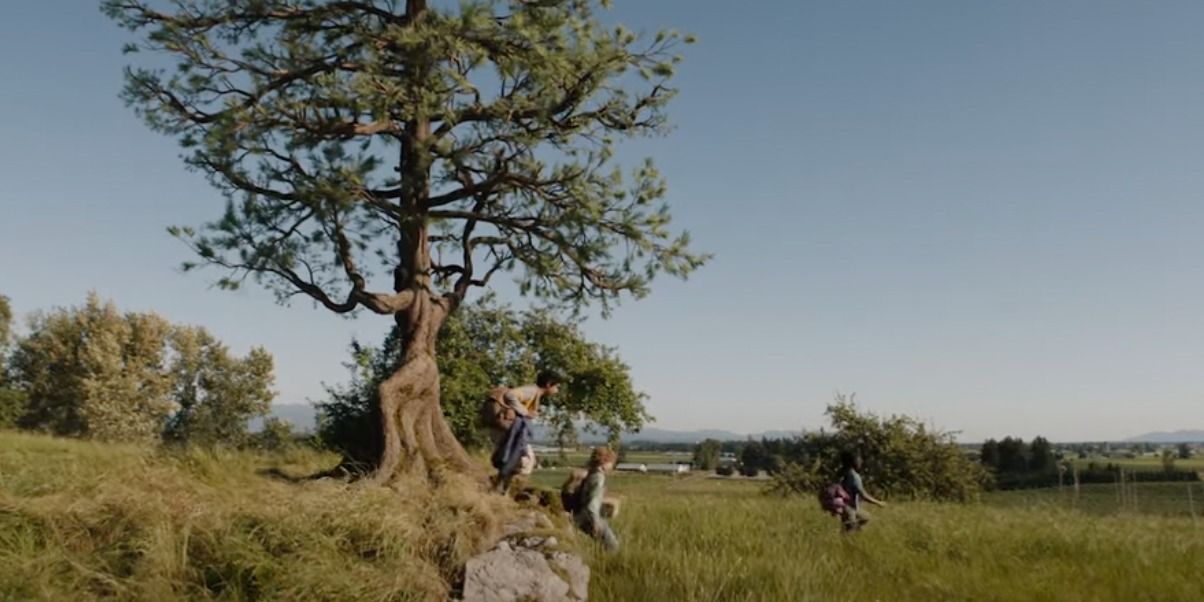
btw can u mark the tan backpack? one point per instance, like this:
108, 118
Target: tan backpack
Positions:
495, 414
570, 492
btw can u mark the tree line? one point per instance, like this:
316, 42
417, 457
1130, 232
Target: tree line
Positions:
93, 371
909, 460
1016, 464
96, 372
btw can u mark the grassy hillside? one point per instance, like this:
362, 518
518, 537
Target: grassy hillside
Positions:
84, 521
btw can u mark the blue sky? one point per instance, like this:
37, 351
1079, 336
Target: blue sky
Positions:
985, 215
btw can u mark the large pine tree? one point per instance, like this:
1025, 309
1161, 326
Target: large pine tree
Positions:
392, 155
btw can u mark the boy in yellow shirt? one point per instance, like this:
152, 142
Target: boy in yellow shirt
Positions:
525, 401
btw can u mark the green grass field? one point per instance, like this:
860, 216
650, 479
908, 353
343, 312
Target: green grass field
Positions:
713, 539
1143, 463
84, 521
1184, 499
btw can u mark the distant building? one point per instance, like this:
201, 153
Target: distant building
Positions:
676, 468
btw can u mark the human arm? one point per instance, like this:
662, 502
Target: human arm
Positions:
859, 490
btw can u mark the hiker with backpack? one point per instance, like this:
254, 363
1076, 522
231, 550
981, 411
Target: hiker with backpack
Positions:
582, 495
851, 514
509, 411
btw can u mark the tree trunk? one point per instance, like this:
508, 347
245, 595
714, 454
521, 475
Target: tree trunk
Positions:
417, 439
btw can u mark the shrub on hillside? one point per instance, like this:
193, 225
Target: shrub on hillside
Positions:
12, 406
215, 392
796, 478
902, 458
12, 400
483, 345
276, 435
93, 371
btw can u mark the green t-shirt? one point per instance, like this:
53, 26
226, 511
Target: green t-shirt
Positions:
591, 497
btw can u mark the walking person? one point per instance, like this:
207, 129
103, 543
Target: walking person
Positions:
588, 514
853, 516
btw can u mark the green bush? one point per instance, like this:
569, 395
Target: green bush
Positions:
481, 346
93, 371
276, 435
799, 479
13, 404
902, 458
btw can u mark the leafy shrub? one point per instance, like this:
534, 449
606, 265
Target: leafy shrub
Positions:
483, 345
902, 458
94, 371
276, 435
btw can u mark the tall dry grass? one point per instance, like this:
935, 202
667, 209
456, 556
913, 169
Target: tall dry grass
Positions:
80, 520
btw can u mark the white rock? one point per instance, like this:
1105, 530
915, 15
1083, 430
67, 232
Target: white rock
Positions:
512, 575
523, 568
571, 566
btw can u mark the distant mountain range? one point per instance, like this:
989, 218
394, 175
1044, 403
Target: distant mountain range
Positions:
1170, 437
301, 417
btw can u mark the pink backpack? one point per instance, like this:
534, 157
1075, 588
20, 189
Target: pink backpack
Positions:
833, 499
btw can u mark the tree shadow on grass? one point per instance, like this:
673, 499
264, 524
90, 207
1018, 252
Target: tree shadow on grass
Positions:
343, 472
